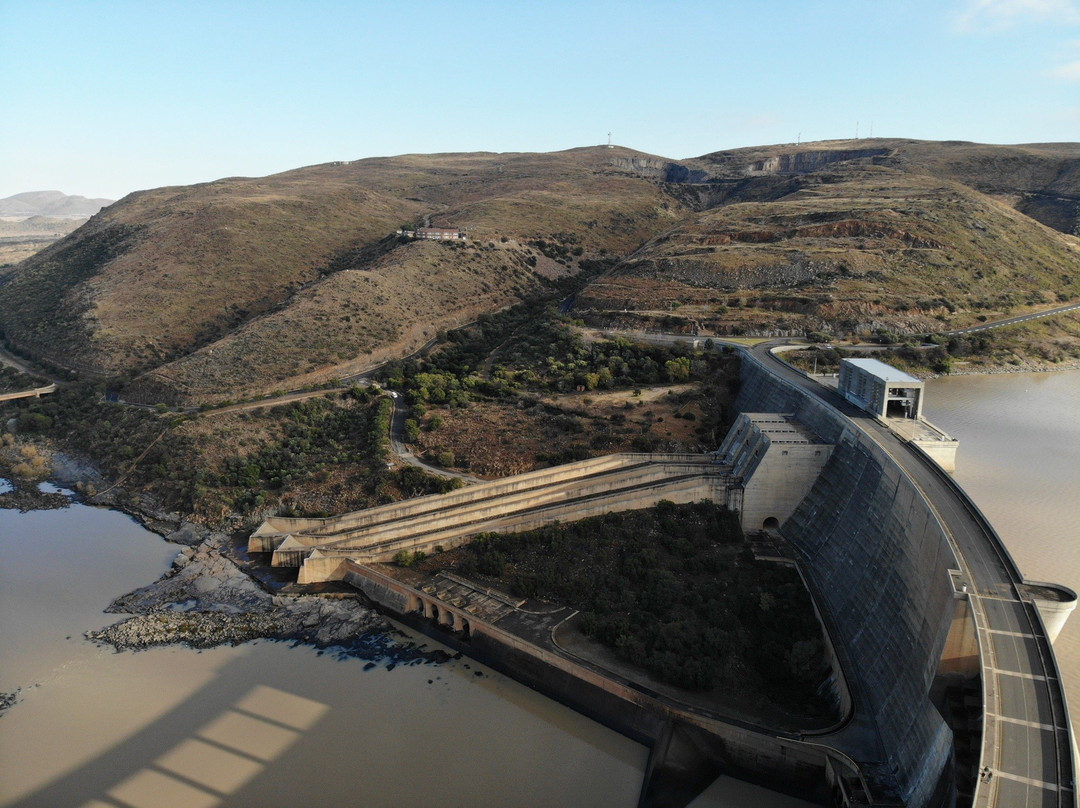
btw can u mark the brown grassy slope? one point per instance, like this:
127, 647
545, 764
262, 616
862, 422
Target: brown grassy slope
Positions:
166, 272
1041, 180
579, 196
857, 241
348, 322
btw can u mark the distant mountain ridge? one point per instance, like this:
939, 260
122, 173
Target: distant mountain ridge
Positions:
51, 203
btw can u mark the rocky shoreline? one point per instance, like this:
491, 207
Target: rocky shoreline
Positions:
208, 598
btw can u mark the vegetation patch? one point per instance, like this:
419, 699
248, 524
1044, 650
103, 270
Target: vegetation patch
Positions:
1042, 344
675, 590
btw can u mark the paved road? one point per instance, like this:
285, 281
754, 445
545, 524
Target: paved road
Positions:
37, 392
398, 447
1026, 736
10, 359
1013, 320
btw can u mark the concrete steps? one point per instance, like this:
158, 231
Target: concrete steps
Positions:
324, 562
273, 531
685, 488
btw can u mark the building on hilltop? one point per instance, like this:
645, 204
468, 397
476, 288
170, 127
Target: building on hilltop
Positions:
435, 233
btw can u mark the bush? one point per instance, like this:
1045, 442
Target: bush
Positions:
408, 558
661, 588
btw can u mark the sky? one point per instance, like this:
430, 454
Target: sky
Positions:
104, 97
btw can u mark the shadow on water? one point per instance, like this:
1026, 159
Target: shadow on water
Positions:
260, 733
199, 753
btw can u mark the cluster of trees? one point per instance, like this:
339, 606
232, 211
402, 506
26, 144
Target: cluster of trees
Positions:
314, 437
25, 462
562, 250
316, 434
672, 589
500, 357
938, 357
115, 436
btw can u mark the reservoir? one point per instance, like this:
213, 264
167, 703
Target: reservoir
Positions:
262, 724
1019, 459
268, 724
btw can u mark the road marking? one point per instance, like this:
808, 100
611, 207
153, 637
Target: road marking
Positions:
1022, 722
1011, 633
1028, 780
1021, 675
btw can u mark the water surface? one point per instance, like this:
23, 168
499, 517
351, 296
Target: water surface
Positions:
262, 724
1019, 459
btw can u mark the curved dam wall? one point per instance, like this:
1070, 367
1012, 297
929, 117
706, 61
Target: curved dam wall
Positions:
877, 562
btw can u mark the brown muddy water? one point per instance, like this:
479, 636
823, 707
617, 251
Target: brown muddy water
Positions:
262, 724
1019, 459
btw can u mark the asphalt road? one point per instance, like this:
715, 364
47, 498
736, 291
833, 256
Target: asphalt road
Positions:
1013, 320
398, 447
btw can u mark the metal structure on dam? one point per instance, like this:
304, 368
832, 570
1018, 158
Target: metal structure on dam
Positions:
915, 590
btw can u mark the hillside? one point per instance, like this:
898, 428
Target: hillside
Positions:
849, 248
247, 285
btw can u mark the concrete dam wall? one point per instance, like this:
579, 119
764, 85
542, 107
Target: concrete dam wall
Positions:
877, 562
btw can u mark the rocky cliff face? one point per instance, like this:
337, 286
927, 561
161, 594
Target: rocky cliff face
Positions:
803, 162
657, 168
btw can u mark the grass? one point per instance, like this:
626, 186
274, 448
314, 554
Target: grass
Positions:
200, 293
871, 247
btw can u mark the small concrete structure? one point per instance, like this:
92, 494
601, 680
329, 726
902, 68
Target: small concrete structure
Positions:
1055, 602
37, 392
778, 460
881, 389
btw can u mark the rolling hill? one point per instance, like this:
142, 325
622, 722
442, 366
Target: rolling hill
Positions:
246, 285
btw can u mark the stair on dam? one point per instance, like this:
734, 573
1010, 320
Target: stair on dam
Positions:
524, 502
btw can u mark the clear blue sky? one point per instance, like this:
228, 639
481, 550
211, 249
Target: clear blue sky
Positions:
104, 97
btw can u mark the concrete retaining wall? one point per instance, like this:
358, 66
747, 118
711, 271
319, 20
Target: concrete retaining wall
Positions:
877, 562
273, 531
781, 763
